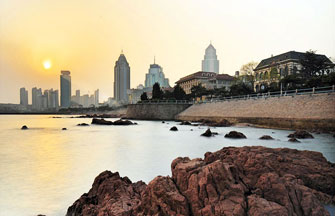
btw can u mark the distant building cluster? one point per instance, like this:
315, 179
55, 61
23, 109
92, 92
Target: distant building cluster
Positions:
267, 71
48, 100
85, 100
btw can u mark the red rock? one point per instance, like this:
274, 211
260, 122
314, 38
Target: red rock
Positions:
233, 181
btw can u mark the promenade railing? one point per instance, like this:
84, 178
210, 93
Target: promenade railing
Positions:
283, 93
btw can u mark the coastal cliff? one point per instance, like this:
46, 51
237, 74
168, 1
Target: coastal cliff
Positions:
232, 181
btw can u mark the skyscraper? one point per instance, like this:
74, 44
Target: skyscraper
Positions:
121, 79
96, 97
210, 62
65, 89
36, 98
156, 75
23, 97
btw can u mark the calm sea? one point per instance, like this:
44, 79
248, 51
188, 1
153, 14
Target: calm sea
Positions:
43, 170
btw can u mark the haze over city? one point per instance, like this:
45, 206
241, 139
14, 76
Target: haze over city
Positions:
39, 38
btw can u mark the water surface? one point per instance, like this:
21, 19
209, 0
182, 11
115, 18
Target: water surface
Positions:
43, 170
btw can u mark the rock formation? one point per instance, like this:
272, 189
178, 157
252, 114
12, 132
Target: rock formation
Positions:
235, 135
266, 137
82, 124
174, 128
117, 122
209, 133
301, 134
233, 181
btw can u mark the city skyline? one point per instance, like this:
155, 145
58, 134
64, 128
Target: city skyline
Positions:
34, 50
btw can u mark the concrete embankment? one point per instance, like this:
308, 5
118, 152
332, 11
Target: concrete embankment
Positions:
155, 111
312, 112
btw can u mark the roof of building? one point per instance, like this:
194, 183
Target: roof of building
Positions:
205, 75
291, 55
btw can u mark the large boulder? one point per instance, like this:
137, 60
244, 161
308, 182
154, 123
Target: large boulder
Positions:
209, 133
123, 122
233, 181
174, 128
24, 127
109, 193
101, 122
301, 134
82, 124
235, 135
266, 137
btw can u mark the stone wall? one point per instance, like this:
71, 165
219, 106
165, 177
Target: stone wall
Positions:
297, 112
155, 111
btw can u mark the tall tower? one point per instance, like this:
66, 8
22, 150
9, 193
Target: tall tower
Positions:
65, 89
210, 62
121, 79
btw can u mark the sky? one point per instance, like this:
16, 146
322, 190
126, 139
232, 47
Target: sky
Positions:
87, 36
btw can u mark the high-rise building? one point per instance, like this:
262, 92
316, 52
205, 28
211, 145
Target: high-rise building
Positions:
96, 97
65, 89
156, 75
36, 98
23, 97
53, 98
210, 62
121, 79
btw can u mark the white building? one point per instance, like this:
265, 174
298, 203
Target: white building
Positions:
210, 62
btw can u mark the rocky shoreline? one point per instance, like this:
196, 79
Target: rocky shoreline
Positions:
232, 181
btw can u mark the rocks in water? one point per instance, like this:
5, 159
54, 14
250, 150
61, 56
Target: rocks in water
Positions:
235, 135
163, 122
221, 123
185, 123
301, 134
123, 122
209, 133
232, 181
24, 127
64, 128
117, 122
293, 140
101, 122
82, 124
266, 137
174, 128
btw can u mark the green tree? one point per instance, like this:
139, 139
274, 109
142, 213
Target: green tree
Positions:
179, 93
221, 92
240, 89
198, 91
157, 92
144, 96
313, 65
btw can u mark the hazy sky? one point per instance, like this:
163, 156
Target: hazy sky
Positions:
87, 36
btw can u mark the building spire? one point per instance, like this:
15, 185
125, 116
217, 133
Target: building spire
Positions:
121, 51
154, 59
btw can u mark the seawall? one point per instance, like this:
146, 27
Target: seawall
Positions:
155, 111
313, 112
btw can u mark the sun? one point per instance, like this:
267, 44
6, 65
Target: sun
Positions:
47, 64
